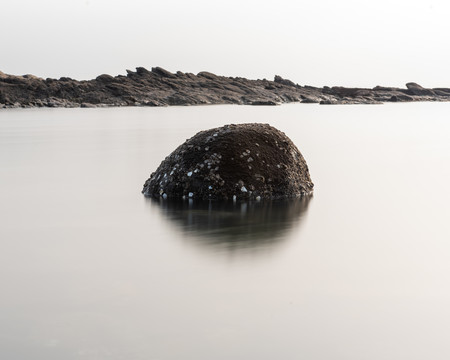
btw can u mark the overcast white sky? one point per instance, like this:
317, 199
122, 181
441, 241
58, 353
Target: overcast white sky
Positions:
315, 42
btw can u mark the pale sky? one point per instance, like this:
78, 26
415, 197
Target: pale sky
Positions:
315, 42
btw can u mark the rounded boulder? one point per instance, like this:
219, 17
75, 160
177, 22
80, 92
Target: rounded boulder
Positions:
239, 162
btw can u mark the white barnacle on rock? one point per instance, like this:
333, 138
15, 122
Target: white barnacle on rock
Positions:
215, 134
258, 198
189, 173
250, 159
164, 196
207, 148
191, 194
210, 187
234, 197
243, 189
279, 166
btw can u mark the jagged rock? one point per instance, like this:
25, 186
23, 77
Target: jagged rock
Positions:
160, 87
163, 72
416, 89
247, 161
280, 80
142, 71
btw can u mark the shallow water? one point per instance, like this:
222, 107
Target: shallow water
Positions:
91, 269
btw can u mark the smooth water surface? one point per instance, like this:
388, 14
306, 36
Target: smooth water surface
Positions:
91, 269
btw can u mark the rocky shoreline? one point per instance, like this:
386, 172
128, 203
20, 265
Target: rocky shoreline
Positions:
160, 87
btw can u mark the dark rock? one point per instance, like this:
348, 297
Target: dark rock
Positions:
87, 105
309, 99
142, 71
401, 98
416, 89
280, 80
104, 78
348, 92
442, 91
247, 161
328, 102
162, 72
160, 87
208, 75
264, 102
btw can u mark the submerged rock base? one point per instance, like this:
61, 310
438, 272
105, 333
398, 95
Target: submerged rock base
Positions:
246, 161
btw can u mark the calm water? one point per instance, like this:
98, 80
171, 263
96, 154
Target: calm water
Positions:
90, 269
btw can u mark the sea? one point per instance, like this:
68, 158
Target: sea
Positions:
90, 269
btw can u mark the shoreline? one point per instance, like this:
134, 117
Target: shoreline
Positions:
159, 87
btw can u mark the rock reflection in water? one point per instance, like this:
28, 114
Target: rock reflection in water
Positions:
234, 225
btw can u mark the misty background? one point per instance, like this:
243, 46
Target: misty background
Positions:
327, 42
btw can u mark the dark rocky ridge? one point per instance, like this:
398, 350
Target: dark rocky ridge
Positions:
240, 162
160, 87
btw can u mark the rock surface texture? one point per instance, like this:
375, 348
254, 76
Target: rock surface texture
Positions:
160, 87
247, 161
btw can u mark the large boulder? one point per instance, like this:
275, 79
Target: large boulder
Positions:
247, 161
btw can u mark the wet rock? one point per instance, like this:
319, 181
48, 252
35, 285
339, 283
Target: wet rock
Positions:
247, 161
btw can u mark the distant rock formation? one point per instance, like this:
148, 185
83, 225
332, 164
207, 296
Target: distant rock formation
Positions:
160, 87
247, 161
